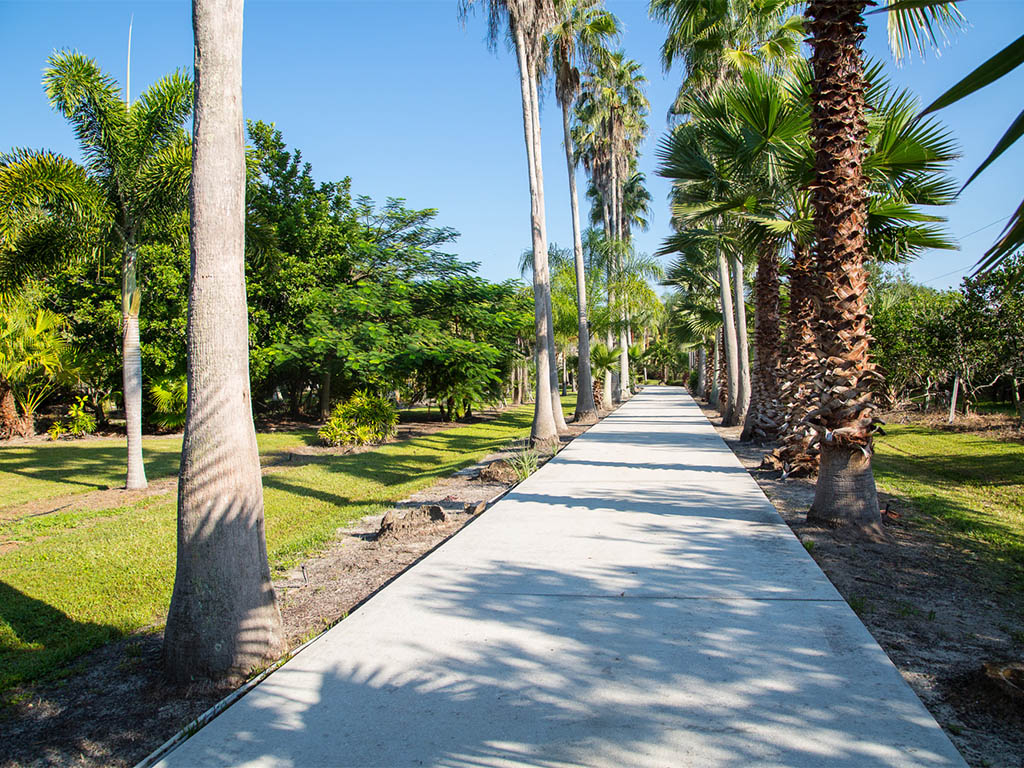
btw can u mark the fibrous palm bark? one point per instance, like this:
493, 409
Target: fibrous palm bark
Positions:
845, 491
763, 416
223, 620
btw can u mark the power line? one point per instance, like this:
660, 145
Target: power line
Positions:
964, 269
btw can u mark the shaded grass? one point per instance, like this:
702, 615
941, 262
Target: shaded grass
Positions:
974, 484
46, 470
87, 577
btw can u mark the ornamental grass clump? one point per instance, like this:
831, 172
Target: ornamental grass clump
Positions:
361, 420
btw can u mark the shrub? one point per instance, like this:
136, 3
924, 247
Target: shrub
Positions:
57, 430
693, 381
170, 396
361, 420
524, 463
80, 422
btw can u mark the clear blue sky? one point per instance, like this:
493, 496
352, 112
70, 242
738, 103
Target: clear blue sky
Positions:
402, 98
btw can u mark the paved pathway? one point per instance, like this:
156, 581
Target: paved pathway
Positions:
637, 601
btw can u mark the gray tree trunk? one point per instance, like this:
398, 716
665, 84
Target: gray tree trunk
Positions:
586, 410
223, 620
556, 399
544, 430
131, 352
743, 398
731, 350
952, 400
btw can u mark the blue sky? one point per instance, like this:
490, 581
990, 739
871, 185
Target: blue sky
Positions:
401, 97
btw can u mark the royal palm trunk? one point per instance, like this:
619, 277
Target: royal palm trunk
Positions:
131, 353
544, 430
731, 350
845, 491
223, 620
586, 409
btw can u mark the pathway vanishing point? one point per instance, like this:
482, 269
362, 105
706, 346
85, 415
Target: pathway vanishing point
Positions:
636, 602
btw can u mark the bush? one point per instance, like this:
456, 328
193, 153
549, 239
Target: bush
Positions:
693, 382
363, 419
170, 397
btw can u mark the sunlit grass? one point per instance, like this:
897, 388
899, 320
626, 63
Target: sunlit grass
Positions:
972, 483
46, 470
78, 579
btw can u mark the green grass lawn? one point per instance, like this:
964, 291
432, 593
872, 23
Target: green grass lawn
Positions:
973, 483
45, 470
79, 579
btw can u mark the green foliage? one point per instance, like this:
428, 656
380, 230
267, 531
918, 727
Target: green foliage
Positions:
524, 463
170, 398
362, 420
57, 430
80, 422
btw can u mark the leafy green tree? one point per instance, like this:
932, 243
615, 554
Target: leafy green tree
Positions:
139, 156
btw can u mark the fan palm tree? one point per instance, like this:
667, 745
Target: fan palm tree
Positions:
527, 23
845, 492
139, 156
581, 34
223, 619
716, 40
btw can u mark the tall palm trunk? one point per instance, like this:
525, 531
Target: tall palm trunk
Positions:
131, 352
730, 415
845, 491
712, 372
544, 430
223, 619
801, 368
702, 372
740, 305
586, 410
535, 137
762, 424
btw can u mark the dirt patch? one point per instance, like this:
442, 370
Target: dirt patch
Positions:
113, 707
995, 426
934, 607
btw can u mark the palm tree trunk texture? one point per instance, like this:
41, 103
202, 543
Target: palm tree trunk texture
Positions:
798, 454
729, 411
11, 424
223, 620
544, 430
712, 372
739, 303
131, 352
702, 372
586, 410
845, 491
762, 424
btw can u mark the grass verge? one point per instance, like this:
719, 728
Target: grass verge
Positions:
45, 470
973, 483
83, 579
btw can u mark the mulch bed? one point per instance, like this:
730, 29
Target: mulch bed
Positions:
933, 606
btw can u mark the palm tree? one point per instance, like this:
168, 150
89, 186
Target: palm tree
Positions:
716, 40
527, 22
581, 33
223, 620
138, 155
612, 124
844, 418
